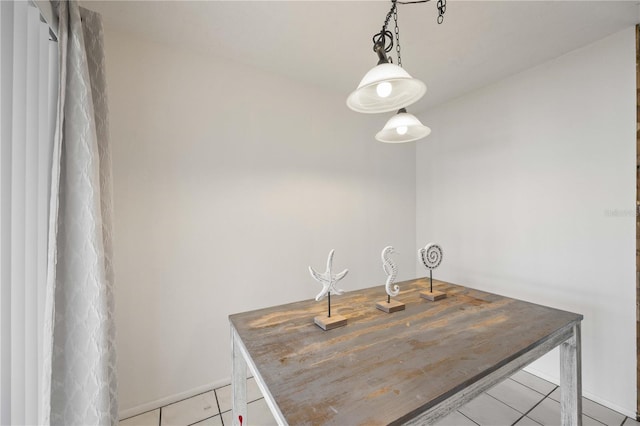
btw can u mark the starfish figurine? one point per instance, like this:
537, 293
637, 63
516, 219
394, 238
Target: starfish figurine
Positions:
327, 279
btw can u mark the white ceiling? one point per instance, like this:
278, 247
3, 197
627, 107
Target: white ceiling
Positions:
328, 43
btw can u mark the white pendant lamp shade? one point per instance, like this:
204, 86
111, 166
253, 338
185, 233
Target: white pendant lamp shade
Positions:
386, 87
402, 127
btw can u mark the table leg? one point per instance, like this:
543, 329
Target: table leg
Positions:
238, 381
571, 380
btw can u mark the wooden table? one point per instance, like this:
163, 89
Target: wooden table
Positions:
409, 367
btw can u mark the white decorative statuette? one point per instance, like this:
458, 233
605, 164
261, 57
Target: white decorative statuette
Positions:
391, 270
327, 279
390, 306
431, 255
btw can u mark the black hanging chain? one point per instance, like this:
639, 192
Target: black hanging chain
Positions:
442, 7
397, 29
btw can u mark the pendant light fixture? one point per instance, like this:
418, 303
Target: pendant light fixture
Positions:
403, 127
388, 87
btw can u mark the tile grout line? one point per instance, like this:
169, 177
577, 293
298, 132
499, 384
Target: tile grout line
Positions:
595, 420
628, 418
532, 408
548, 397
470, 419
248, 402
218, 404
181, 400
215, 394
583, 413
535, 390
192, 396
597, 403
139, 414
514, 408
202, 420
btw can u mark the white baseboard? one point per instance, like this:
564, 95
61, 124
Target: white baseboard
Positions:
149, 406
588, 395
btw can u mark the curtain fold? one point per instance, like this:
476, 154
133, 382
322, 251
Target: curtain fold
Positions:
79, 359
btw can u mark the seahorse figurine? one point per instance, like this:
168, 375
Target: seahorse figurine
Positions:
391, 270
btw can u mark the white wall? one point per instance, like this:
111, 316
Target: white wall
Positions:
518, 182
228, 182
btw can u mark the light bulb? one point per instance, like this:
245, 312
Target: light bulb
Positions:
402, 130
383, 89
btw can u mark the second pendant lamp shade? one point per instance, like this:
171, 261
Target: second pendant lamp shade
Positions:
402, 127
386, 87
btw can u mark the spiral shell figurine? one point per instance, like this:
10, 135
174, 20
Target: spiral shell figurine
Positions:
431, 256
391, 270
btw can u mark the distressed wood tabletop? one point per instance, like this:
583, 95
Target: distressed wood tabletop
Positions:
386, 368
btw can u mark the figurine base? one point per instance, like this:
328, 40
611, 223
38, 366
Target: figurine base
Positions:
329, 323
390, 307
433, 295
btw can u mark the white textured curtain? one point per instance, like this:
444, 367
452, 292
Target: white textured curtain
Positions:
79, 361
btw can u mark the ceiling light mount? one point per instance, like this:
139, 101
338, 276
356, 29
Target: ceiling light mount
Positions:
380, 44
382, 53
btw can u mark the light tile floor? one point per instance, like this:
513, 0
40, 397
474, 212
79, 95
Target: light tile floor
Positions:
522, 400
